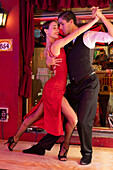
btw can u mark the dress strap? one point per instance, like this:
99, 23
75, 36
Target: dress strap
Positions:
51, 54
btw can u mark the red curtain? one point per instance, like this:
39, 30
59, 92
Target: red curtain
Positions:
27, 31
54, 5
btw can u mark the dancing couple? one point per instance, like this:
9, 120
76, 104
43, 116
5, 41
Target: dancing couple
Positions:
80, 100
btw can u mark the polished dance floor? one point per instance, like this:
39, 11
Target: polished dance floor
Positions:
16, 160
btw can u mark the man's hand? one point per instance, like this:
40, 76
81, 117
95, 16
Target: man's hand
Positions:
52, 61
96, 12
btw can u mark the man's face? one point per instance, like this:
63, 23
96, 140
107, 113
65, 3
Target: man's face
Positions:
65, 26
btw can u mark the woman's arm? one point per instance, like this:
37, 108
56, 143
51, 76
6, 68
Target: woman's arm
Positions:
62, 42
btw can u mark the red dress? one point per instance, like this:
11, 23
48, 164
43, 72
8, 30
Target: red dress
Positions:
53, 92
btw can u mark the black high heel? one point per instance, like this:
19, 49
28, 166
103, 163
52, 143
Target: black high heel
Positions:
65, 153
9, 143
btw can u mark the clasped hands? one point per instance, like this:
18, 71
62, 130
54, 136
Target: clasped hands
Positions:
96, 12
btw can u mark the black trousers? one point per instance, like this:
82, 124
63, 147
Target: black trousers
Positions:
48, 141
83, 98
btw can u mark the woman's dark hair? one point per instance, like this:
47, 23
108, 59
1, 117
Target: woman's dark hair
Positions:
68, 15
46, 26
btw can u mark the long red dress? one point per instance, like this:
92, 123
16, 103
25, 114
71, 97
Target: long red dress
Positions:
53, 92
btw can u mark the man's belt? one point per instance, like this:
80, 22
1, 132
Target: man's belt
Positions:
83, 79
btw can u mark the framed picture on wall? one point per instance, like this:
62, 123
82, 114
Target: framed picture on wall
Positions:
111, 52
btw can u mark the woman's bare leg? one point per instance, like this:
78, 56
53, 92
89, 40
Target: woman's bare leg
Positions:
71, 117
28, 121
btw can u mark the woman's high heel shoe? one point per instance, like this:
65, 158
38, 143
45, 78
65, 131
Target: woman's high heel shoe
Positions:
64, 156
10, 142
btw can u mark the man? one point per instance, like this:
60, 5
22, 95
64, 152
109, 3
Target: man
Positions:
82, 91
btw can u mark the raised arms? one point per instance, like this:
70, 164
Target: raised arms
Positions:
55, 48
106, 22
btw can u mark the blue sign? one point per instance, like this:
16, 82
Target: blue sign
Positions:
37, 33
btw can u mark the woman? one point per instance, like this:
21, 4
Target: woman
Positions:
53, 102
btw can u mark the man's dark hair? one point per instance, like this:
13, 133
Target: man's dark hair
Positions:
68, 15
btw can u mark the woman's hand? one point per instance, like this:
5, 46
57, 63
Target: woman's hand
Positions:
96, 12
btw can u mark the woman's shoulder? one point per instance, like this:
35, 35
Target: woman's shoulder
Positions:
45, 52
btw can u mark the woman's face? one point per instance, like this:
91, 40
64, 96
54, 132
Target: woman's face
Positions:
53, 30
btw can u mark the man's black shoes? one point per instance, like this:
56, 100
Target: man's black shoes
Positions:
35, 149
86, 159
39, 150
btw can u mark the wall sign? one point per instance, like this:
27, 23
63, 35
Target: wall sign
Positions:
4, 114
6, 45
37, 33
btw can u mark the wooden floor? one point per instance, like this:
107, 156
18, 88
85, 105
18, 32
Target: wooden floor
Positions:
16, 160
